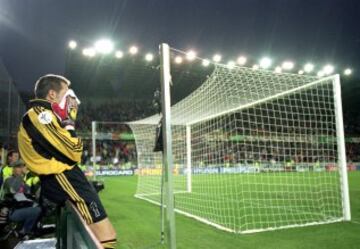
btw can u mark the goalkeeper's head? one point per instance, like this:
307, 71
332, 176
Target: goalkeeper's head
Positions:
55, 89
51, 87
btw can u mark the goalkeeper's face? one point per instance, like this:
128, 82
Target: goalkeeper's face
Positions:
64, 102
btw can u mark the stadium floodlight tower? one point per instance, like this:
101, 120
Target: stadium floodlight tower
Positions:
252, 150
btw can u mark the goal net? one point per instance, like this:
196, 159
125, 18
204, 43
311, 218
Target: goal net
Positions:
253, 150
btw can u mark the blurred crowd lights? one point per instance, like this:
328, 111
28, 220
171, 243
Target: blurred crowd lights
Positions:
106, 46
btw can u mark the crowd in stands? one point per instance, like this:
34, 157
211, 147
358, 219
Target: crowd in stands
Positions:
353, 152
120, 153
352, 129
114, 111
113, 153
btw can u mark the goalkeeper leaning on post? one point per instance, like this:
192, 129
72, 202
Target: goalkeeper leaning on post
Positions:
50, 148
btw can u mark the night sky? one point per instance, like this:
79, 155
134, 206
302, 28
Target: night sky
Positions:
34, 33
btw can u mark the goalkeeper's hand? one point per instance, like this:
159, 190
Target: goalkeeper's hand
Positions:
72, 109
68, 114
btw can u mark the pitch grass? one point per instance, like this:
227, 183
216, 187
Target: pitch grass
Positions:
247, 202
138, 224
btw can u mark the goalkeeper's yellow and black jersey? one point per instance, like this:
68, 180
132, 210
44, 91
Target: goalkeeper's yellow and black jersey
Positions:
44, 145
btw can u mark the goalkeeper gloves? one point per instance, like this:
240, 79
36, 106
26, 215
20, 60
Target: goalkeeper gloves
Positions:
66, 111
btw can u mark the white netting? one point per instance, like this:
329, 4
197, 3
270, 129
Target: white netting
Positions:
253, 150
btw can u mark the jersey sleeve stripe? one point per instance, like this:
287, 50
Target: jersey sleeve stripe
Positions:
37, 137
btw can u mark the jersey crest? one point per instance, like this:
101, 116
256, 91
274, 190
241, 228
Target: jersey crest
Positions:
45, 117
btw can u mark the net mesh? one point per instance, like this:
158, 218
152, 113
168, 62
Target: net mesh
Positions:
253, 150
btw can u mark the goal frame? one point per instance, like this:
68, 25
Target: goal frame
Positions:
333, 81
339, 135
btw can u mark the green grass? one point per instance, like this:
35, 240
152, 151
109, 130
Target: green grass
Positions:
138, 224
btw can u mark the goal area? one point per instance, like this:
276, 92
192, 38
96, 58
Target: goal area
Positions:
253, 150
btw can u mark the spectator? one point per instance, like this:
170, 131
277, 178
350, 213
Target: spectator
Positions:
25, 209
6, 170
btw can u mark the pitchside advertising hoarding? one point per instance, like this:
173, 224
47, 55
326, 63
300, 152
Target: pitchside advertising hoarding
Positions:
219, 169
115, 172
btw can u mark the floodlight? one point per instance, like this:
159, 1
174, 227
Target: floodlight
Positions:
231, 64
89, 52
241, 60
347, 71
308, 67
119, 54
287, 65
72, 44
104, 46
191, 55
133, 50
265, 62
205, 63
149, 57
320, 74
178, 59
217, 58
328, 69
278, 70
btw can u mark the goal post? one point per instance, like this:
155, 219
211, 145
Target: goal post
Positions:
93, 148
188, 157
167, 152
253, 150
341, 148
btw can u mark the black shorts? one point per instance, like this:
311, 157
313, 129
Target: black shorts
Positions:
72, 185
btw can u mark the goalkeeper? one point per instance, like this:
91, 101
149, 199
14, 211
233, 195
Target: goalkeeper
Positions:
50, 148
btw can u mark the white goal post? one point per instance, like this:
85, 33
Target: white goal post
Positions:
253, 150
